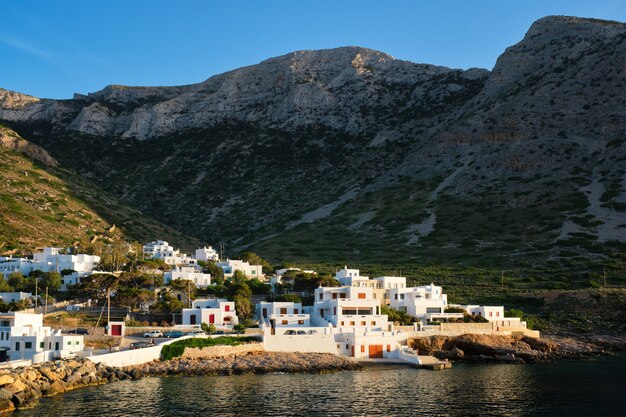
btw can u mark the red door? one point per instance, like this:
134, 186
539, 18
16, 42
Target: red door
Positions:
116, 330
211, 318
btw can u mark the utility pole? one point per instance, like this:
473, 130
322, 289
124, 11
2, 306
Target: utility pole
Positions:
36, 288
46, 309
108, 306
189, 293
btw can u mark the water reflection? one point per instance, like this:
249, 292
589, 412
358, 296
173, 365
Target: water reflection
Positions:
563, 389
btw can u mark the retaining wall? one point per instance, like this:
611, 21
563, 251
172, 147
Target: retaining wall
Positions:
319, 343
210, 352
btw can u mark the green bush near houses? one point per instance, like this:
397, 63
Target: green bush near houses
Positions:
177, 348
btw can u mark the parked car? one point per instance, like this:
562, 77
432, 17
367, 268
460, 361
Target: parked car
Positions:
219, 332
173, 334
153, 333
64, 354
141, 345
312, 332
290, 332
301, 331
79, 330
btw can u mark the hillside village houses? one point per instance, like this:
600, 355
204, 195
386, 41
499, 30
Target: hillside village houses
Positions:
347, 320
52, 260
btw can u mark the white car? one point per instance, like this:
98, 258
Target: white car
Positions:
153, 333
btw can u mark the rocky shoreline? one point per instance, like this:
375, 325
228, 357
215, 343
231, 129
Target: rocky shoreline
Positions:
513, 349
23, 387
249, 363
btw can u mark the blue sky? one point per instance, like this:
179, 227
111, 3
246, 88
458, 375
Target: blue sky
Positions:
55, 48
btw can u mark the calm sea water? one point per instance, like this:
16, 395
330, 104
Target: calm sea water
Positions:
591, 388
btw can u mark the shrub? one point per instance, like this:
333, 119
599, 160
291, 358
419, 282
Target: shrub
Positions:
176, 349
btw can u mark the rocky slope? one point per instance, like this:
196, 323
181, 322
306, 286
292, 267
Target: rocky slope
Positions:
343, 154
41, 204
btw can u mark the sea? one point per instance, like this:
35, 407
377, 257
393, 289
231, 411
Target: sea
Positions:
567, 388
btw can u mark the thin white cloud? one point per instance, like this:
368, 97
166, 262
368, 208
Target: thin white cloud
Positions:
29, 49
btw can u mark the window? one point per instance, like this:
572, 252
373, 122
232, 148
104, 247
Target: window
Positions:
301, 322
227, 307
69, 343
361, 296
388, 348
334, 296
283, 311
226, 318
41, 345
351, 323
497, 314
77, 343
491, 314
363, 323
28, 345
402, 296
373, 323
362, 348
295, 311
342, 323
321, 296
253, 272
395, 296
347, 346
284, 322
433, 310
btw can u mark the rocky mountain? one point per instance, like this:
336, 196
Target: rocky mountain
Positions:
351, 154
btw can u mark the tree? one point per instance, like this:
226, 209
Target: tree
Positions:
292, 298
258, 287
51, 280
208, 328
4, 286
240, 328
16, 280
217, 273
254, 259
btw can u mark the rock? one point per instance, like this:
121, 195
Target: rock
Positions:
5, 394
6, 379
55, 388
6, 406
15, 387
49, 374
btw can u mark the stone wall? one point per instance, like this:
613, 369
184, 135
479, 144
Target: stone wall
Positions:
211, 352
319, 343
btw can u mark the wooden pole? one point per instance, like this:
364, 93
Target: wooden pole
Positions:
36, 281
108, 306
46, 308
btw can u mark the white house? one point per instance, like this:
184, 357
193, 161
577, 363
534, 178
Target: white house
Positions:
13, 297
347, 307
211, 311
207, 254
23, 336
283, 314
348, 276
9, 264
231, 265
51, 259
160, 249
191, 273
427, 302
491, 313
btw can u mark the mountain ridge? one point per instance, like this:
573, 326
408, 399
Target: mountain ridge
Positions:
345, 153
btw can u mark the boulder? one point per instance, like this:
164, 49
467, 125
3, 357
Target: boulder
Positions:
17, 386
55, 388
5, 394
6, 379
6, 406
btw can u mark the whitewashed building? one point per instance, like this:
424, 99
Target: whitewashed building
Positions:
14, 297
191, 273
207, 254
9, 264
160, 249
347, 307
210, 311
23, 336
491, 313
426, 303
283, 314
229, 267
